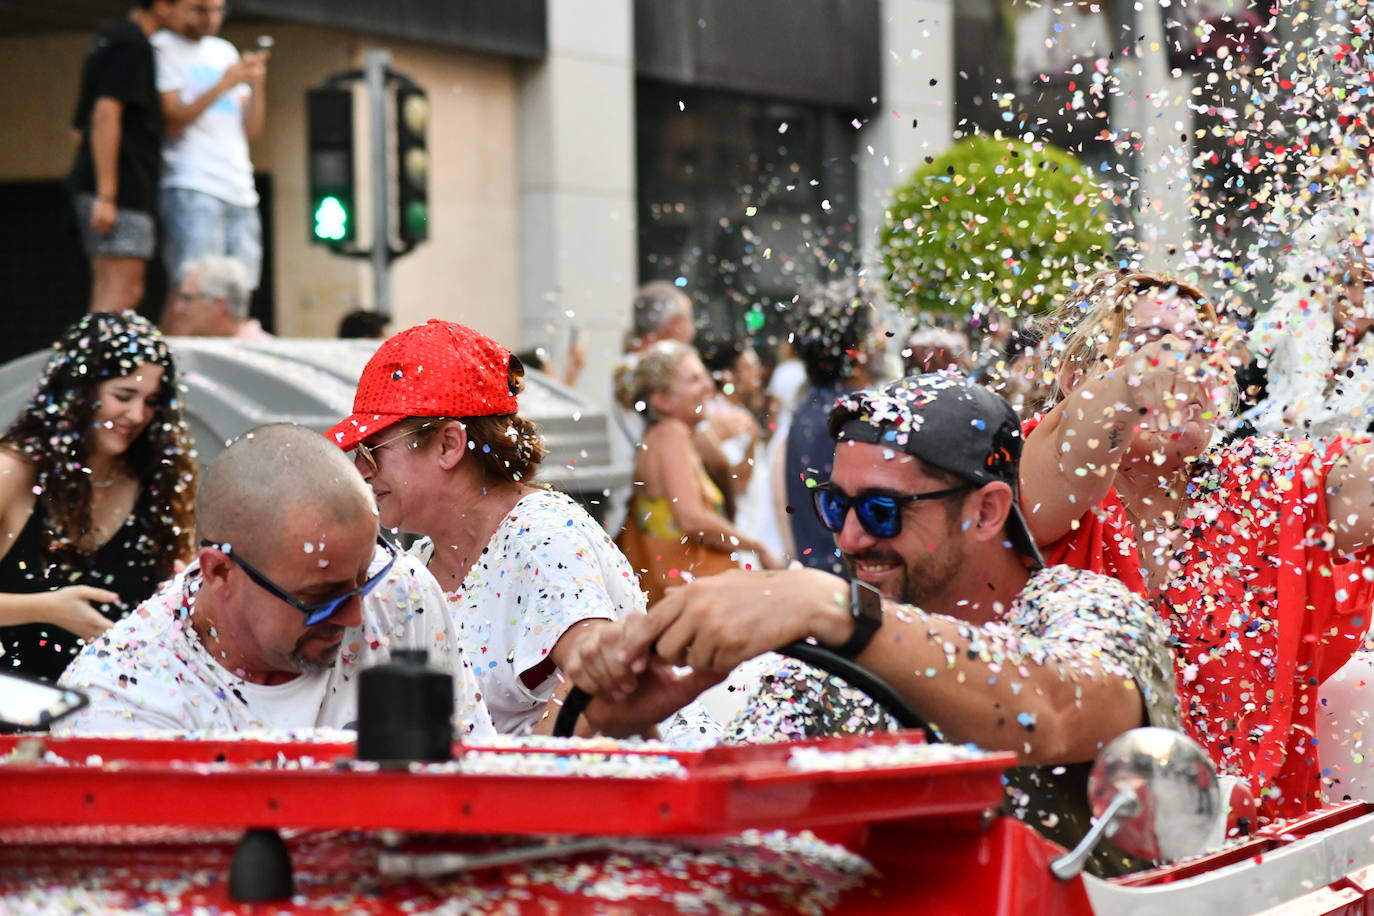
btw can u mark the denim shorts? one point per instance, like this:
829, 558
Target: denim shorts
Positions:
195, 224
133, 235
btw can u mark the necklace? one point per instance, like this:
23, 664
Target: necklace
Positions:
107, 482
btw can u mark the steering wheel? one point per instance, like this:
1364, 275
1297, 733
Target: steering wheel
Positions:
889, 700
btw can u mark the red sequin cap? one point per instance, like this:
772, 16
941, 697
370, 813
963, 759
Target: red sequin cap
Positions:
436, 369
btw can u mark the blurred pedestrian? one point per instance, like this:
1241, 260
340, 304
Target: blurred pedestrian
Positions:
832, 335
540, 360
212, 300
660, 311
786, 382
213, 102
726, 434
932, 348
97, 482
114, 179
732, 428
363, 324
676, 529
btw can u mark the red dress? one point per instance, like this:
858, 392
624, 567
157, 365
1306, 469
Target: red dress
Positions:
1260, 609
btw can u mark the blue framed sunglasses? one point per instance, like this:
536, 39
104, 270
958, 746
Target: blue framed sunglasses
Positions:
321, 610
879, 511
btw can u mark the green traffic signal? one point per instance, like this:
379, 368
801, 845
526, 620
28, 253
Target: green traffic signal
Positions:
415, 220
331, 220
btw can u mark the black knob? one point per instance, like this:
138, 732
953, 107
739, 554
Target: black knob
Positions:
405, 710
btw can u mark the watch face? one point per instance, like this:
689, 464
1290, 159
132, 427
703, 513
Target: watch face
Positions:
865, 601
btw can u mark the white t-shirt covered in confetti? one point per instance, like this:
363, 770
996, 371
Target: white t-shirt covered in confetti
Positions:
548, 565
151, 672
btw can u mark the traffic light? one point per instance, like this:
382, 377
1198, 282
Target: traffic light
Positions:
412, 164
329, 124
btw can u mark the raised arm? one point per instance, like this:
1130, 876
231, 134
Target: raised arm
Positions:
255, 108
178, 115
1058, 706
1070, 460
1350, 498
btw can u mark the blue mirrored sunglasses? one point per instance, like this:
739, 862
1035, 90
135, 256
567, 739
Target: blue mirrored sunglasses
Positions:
322, 610
879, 511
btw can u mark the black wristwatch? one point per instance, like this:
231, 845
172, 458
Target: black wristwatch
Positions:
866, 610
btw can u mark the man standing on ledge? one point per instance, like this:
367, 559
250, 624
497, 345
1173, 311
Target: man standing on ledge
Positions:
948, 604
213, 103
114, 179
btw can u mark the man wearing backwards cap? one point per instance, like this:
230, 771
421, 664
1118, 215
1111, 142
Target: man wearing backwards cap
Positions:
949, 604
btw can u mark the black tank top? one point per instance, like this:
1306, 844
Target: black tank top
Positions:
124, 564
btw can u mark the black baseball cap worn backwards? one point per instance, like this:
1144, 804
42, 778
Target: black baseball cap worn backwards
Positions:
948, 422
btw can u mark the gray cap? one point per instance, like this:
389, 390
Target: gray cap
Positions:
948, 422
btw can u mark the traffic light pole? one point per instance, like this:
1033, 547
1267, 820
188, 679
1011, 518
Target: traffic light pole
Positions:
375, 77
330, 175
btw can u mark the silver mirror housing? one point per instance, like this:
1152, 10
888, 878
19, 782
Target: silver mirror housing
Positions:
1175, 785
1155, 794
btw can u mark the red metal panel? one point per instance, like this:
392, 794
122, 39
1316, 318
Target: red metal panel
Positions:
922, 825
720, 792
960, 866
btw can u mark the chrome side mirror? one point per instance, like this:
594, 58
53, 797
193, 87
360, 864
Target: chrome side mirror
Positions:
27, 704
1155, 794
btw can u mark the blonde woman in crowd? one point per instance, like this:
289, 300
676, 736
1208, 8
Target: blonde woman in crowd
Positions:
676, 529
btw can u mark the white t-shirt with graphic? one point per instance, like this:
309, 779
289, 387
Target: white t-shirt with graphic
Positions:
150, 671
211, 154
547, 566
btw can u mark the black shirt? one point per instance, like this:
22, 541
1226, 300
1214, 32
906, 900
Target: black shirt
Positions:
810, 454
119, 65
124, 564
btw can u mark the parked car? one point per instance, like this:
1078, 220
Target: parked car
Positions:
230, 386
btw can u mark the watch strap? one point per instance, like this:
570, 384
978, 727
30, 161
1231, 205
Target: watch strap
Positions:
866, 610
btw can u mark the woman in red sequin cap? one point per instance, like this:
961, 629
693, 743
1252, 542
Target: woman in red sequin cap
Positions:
436, 433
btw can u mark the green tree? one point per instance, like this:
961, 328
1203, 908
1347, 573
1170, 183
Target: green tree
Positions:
993, 221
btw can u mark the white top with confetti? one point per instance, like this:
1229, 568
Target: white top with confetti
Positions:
548, 565
150, 671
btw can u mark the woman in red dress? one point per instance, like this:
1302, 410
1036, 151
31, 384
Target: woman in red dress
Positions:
1252, 551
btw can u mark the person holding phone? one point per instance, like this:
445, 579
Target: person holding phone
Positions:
214, 101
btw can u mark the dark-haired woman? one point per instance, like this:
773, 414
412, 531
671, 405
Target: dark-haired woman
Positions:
436, 433
97, 486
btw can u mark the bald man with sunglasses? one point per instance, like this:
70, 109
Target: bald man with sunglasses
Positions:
292, 595
949, 604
